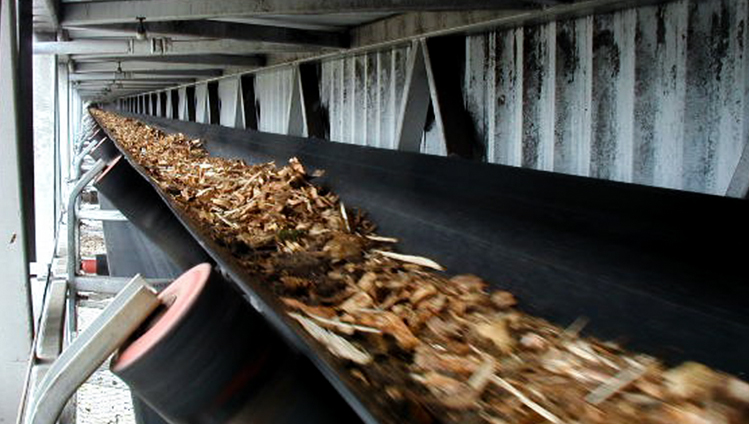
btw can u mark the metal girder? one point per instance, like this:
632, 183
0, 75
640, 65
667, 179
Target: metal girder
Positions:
159, 46
140, 66
739, 186
415, 101
91, 13
140, 82
140, 76
81, 47
198, 59
234, 31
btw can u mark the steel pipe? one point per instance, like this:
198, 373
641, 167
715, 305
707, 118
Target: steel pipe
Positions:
72, 240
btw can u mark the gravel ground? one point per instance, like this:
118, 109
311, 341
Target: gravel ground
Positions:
92, 238
104, 398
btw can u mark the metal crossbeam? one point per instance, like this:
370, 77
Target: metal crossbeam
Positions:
234, 31
91, 13
160, 47
141, 66
198, 59
152, 74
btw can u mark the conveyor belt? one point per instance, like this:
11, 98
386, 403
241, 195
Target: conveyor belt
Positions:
652, 265
567, 246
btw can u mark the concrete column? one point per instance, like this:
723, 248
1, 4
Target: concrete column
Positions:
15, 302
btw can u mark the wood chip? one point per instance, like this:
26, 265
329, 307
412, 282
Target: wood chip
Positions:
616, 383
498, 333
382, 239
540, 410
417, 260
337, 345
344, 215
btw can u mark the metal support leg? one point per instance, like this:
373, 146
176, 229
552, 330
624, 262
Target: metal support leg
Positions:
73, 253
76, 363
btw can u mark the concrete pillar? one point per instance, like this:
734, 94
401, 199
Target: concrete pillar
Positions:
15, 302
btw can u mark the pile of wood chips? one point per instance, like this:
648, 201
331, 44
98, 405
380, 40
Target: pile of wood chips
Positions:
428, 347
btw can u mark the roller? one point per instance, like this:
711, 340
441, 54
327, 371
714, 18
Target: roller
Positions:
208, 357
105, 149
138, 201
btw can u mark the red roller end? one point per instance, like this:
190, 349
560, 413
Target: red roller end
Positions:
178, 298
88, 266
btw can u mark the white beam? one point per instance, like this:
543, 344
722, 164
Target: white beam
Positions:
204, 59
140, 66
160, 46
137, 76
234, 31
92, 13
82, 47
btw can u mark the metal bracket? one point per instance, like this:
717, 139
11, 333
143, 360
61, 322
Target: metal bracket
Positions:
86, 353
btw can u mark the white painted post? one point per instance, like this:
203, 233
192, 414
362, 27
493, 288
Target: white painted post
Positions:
15, 305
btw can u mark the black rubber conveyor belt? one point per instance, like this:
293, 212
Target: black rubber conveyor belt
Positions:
648, 264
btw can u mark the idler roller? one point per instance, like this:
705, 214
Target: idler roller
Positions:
140, 203
105, 149
207, 357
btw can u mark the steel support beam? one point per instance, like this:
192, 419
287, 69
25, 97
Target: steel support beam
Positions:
100, 49
92, 13
739, 186
197, 59
15, 303
139, 76
142, 66
140, 81
296, 124
415, 101
233, 31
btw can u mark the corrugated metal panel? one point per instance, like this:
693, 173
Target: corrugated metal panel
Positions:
655, 95
202, 111
229, 102
362, 95
182, 94
273, 97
